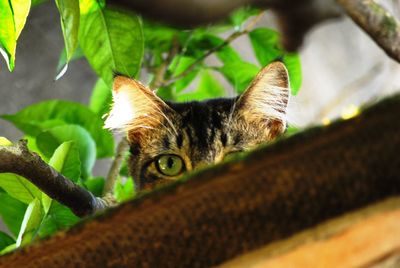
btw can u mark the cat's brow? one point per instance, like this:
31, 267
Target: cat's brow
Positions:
166, 143
179, 140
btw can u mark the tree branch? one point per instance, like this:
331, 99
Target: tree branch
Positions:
377, 22
19, 160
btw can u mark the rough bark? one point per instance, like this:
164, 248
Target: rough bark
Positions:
19, 160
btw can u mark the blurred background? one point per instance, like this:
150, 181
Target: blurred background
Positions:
342, 69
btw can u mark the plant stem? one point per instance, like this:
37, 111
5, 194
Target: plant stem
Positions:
226, 42
113, 173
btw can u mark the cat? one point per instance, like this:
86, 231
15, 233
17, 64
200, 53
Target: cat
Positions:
168, 139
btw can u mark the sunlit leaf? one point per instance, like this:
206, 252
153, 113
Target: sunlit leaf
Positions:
66, 161
12, 212
21, 10
124, 191
45, 115
239, 74
49, 140
267, 48
58, 217
62, 65
293, 64
101, 98
5, 240
208, 88
5, 142
8, 35
178, 66
69, 15
112, 40
95, 185
30, 224
19, 187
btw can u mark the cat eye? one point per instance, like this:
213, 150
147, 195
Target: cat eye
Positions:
170, 165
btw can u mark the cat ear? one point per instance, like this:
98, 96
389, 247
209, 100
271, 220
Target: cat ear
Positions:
135, 107
265, 100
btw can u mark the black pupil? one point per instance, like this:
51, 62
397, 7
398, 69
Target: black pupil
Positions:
170, 162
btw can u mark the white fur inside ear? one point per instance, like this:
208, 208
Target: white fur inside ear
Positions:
268, 95
135, 107
267, 101
122, 112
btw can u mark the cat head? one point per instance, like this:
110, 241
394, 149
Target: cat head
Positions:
168, 139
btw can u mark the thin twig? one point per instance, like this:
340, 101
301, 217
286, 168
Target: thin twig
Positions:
115, 166
377, 22
226, 42
160, 71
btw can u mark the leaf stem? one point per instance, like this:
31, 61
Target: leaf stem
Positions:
19, 160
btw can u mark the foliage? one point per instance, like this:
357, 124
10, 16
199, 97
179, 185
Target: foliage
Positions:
70, 136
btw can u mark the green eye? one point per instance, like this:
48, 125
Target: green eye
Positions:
170, 165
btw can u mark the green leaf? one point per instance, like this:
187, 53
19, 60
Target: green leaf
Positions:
21, 10
8, 249
30, 224
124, 191
266, 45
45, 115
59, 217
62, 65
8, 36
66, 158
241, 15
202, 43
267, 48
66, 161
19, 187
37, 2
112, 40
5, 142
12, 212
101, 98
178, 66
49, 140
5, 240
239, 74
95, 185
69, 15
208, 88
166, 93
293, 65
158, 37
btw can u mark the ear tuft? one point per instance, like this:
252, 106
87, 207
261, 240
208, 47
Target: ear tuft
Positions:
265, 100
135, 107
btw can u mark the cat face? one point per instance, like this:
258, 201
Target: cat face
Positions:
168, 139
